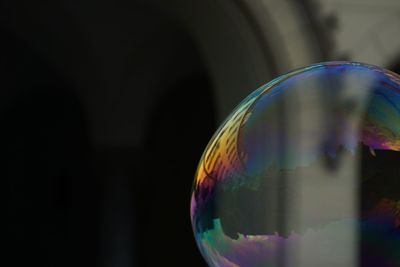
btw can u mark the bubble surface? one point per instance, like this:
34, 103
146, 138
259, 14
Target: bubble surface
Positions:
305, 172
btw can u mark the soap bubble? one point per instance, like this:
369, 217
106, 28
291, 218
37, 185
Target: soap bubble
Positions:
305, 172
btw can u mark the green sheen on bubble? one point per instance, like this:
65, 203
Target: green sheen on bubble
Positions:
305, 172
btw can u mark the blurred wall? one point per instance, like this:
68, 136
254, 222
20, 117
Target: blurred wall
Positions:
106, 107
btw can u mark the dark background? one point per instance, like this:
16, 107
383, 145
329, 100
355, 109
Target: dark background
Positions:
105, 109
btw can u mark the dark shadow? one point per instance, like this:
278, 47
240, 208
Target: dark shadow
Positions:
51, 216
180, 127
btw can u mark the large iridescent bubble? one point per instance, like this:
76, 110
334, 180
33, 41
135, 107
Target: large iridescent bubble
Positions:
305, 172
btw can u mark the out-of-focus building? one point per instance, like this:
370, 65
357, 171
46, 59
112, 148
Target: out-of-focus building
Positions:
365, 30
139, 87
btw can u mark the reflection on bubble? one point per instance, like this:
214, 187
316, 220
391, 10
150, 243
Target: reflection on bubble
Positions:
305, 172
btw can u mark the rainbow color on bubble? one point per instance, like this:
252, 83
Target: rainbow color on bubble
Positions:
351, 106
